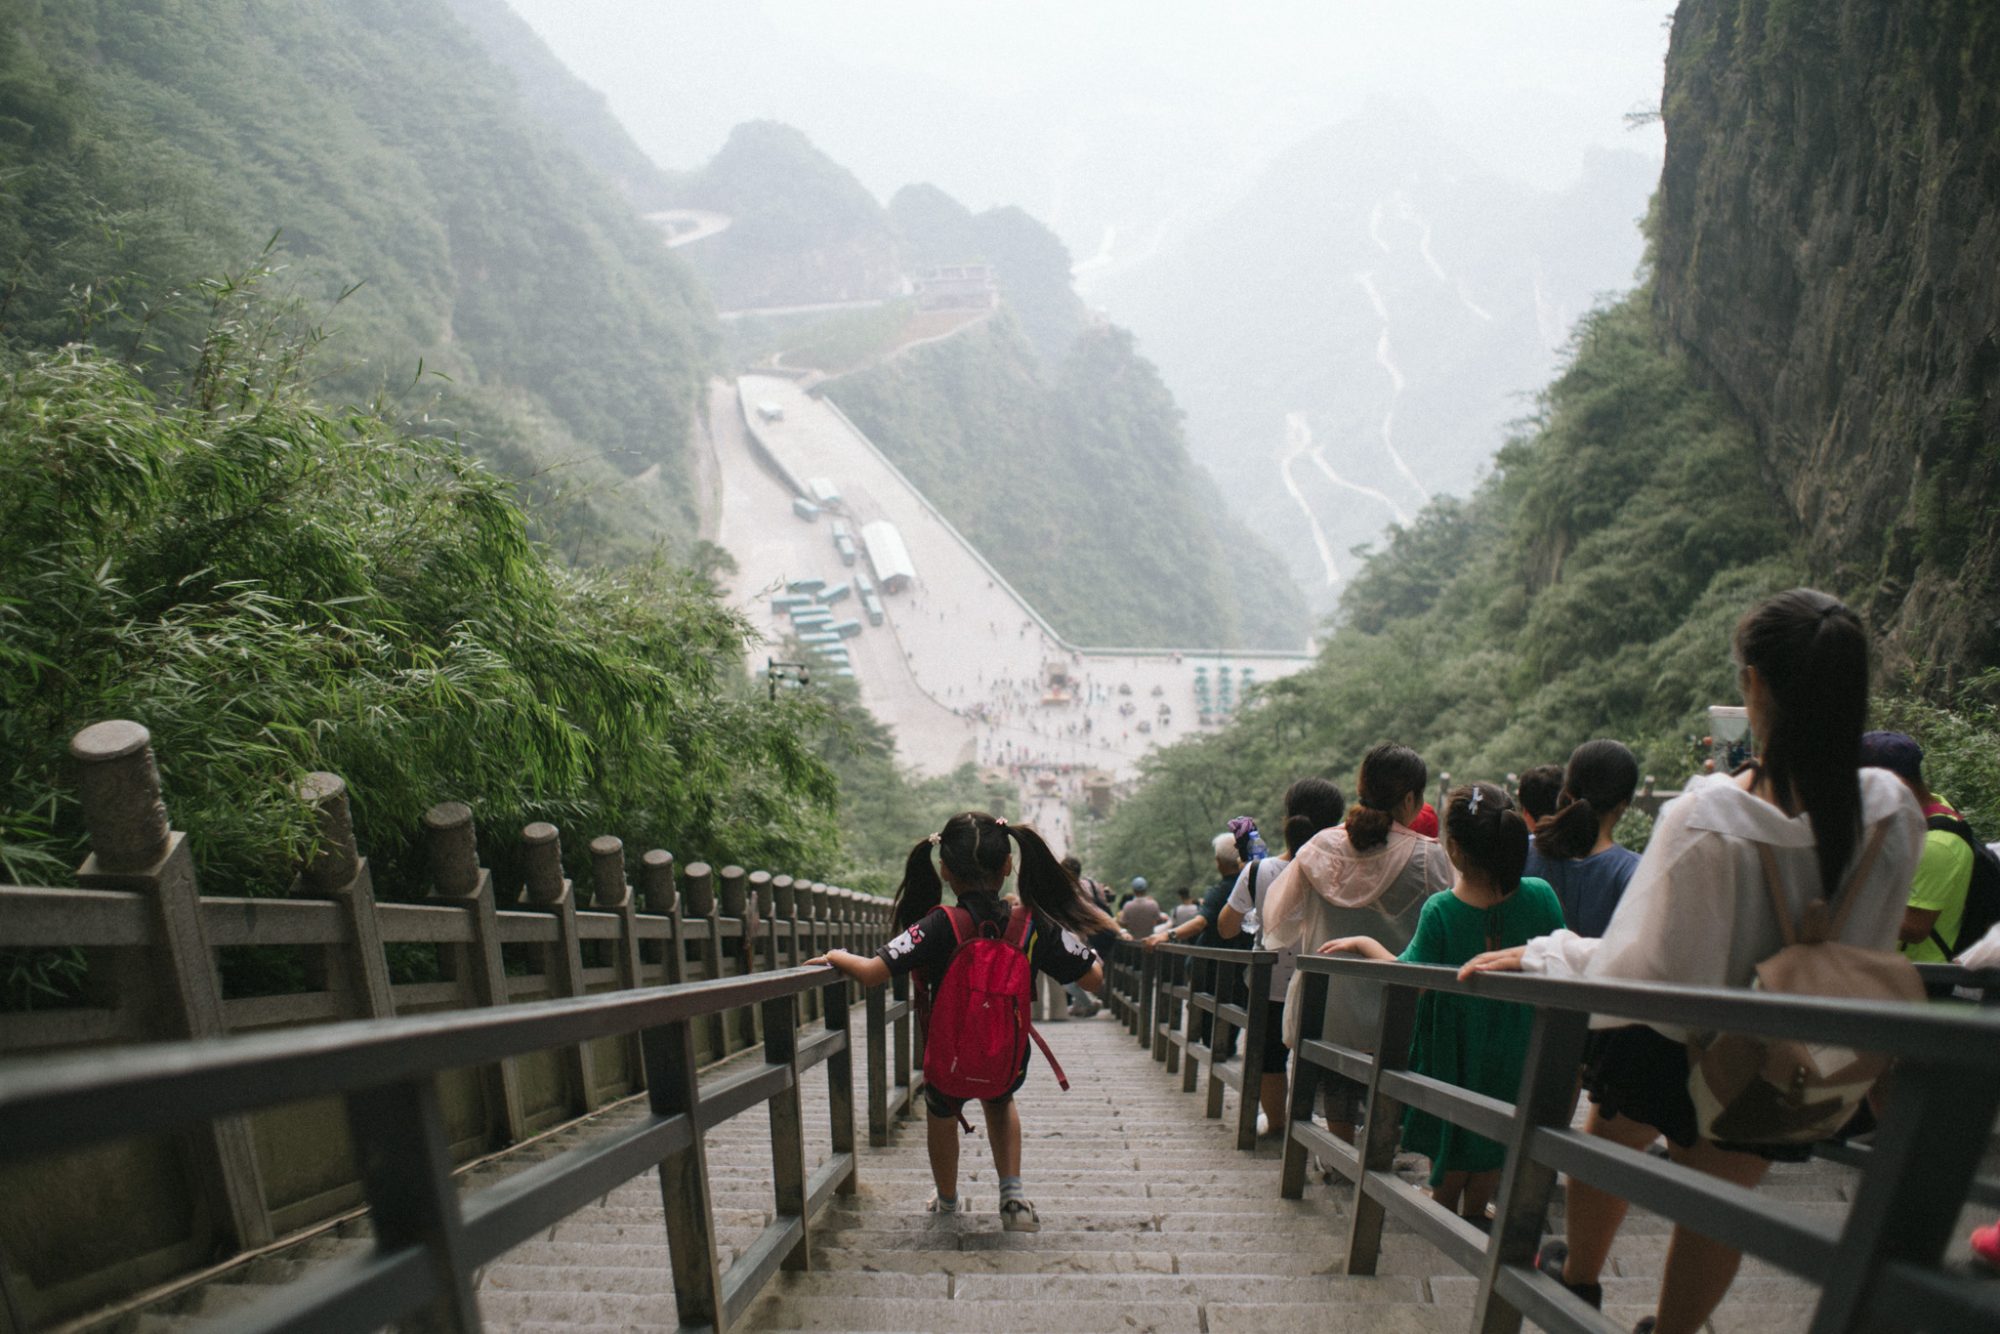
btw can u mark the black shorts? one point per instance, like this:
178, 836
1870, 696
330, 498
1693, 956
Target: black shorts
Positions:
1641, 1074
1277, 1056
948, 1109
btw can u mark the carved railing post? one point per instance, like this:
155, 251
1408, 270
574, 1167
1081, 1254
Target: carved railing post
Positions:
740, 937
134, 847
764, 911
551, 892
357, 971
613, 893
698, 888
656, 873
452, 846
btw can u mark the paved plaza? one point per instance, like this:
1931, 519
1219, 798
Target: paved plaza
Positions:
963, 669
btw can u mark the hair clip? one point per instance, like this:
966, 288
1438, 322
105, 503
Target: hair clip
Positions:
1472, 806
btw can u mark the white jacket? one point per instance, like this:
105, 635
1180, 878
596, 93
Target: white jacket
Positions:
1697, 911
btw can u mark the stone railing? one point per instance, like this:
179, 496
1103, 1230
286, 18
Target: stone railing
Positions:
78, 1228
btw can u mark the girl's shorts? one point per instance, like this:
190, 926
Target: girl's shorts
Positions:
1641, 1074
947, 1109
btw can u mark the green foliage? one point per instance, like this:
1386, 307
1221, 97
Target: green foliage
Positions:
1588, 589
151, 142
1077, 486
1961, 744
274, 588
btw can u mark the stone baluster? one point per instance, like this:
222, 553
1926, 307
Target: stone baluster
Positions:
732, 889
134, 847
698, 887
452, 849
356, 970
550, 891
656, 875
612, 892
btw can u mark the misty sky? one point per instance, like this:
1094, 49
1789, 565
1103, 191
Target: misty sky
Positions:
1103, 116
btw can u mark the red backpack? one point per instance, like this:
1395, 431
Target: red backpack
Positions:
977, 1026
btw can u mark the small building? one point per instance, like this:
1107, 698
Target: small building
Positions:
804, 508
888, 556
824, 492
957, 287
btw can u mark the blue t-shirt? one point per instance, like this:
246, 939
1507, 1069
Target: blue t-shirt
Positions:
1589, 887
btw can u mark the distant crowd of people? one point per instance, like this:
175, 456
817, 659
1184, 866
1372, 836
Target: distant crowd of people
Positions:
1828, 837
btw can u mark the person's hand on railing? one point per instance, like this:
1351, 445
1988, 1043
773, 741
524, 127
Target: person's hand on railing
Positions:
1493, 961
1366, 946
1982, 953
867, 969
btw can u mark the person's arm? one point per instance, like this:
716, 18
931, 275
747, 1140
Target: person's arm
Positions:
1093, 981
867, 969
1178, 935
1366, 946
1917, 924
1230, 924
1944, 871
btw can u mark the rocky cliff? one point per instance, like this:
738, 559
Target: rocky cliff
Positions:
1829, 218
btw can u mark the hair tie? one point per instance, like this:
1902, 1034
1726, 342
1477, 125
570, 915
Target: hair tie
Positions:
1002, 823
935, 838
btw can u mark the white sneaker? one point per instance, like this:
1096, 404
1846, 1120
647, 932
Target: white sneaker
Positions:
1019, 1216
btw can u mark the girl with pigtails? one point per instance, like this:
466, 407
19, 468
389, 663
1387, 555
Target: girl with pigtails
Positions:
1469, 1041
977, 938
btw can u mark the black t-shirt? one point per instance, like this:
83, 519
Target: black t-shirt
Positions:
1212, 905
929, 945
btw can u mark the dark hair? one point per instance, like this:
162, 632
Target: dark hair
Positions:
973, 846
1602, 776
1186, 894
1492, 840
1812, 654
1389, 773
1541, 790
1073, 866
1311, 804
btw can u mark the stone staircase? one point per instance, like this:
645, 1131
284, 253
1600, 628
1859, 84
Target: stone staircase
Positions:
1151, 1220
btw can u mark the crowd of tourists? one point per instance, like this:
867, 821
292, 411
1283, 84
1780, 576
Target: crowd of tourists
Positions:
1828, 838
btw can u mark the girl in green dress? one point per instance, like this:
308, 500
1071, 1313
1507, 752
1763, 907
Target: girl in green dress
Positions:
1465, 1040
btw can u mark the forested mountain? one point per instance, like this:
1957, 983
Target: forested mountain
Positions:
1074, 480
803, 231
1805, 391
148, 144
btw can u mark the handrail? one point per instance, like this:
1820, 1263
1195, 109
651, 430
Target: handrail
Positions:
1203, 984
428, 1242
1882, 1266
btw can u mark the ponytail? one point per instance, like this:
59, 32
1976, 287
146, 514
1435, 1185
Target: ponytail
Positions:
921, 890
1812, 654
1389, 773
1602, 776
1051, 889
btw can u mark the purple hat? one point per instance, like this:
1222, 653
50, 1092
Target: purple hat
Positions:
1897, 753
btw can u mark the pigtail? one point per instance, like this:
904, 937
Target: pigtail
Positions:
921, 890
1047, 886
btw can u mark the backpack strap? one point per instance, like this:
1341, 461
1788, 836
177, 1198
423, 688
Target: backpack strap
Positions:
1019, 928
961, 924
1020, 925
1850, 892
1050, 1057
1789, 931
